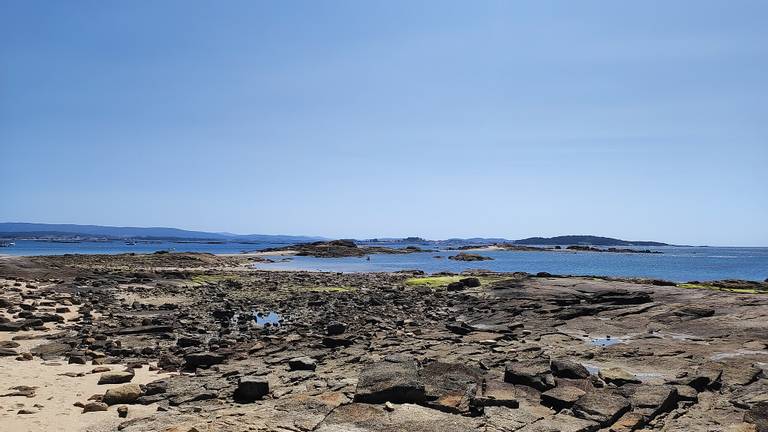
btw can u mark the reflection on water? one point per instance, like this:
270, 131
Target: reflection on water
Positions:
271, 318
605, 341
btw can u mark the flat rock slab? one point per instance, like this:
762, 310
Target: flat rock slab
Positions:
450, 386
394, 380
403, 418
561, 423
532, 373
601, 406
561, 397
651, 400
497, 393
115, 377
617, 376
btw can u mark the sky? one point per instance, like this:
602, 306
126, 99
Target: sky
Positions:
639, 120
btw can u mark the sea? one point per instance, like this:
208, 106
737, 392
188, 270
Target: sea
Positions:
674, 263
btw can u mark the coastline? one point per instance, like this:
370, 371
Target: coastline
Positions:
228, 327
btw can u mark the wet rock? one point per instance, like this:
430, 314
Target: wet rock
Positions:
560, 398
601, 406
565, 368
251, 388
125, 394
95, 406
302, 363
115, 377
617, 376
532, 373
392, 380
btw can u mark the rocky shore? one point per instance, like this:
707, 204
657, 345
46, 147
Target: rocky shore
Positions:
197, 342
339, 249
573, 248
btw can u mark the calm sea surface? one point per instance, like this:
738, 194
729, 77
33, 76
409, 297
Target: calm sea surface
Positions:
675, 263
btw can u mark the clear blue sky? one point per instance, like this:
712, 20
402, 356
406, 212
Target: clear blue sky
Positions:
639, 120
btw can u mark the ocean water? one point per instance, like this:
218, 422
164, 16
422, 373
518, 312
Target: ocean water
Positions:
679, 264
30, 247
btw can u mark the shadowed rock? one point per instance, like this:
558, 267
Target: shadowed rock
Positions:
392, 380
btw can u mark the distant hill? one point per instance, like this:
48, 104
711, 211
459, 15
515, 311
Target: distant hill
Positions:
38, 230
585, 240
15, 230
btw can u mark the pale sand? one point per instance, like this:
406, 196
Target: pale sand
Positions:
56, 393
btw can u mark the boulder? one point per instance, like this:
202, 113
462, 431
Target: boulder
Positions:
115, 377
450, 387
302, 363
560, 398
601, 406
392, 380
125, 394
651, 400
470, 282
122, 411
564, 368
618, 376
203, 359
251, 388
95, 406
532, 373
497, 393
335, 328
